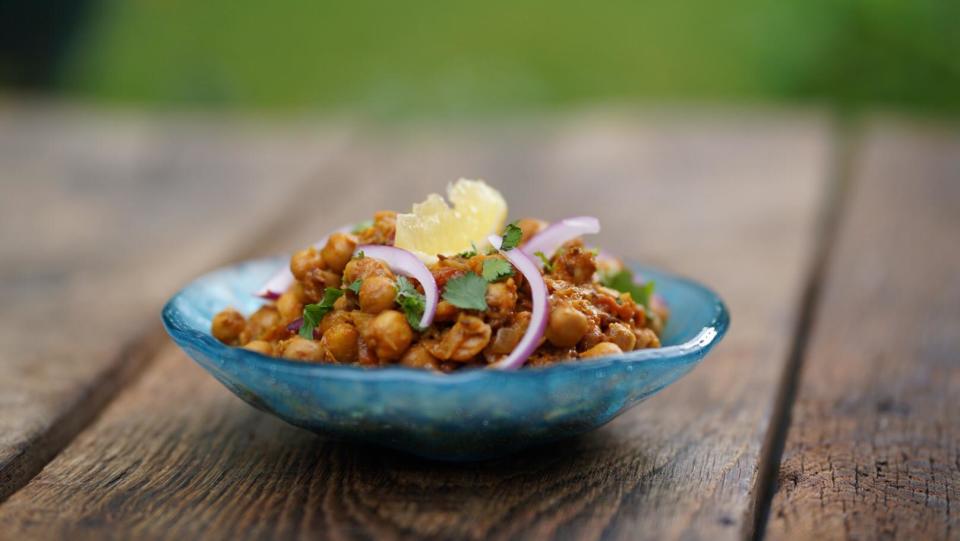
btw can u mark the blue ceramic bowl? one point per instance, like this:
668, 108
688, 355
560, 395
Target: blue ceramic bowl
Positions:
468, 415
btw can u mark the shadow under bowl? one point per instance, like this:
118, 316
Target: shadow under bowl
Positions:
467, 415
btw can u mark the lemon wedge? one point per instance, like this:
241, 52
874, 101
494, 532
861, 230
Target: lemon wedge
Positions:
434, 228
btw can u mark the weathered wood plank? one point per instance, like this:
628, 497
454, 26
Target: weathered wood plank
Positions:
101, 219
873, 451
729, 200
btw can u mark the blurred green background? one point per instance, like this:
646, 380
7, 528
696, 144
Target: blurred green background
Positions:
418, 57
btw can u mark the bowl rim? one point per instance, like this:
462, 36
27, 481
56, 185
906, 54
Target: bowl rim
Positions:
690, 351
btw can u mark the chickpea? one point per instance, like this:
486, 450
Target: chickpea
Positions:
463, 341
260, 323
360, 320
622, 336
289, 306
419, 357
340, 342
646, 338
301, 349
601, 350
389, 335
260, 346
364, 268
502, 297
445, 312
574, 264
334, 318
338, 251
304, 261
344, 303
567, 326
377, 294
383, 229
316, 281
227, 326
593, 337
509, 336
297, 290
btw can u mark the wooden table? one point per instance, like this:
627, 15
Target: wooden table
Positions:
831, 410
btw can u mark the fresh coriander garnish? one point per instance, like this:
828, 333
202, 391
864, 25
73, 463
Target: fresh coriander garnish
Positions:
469, 253
623, 281
359, 255
411, 301
645, 293
355, 286
366, 224
495, 269
313, 313
547, 266
511, 237
468, 291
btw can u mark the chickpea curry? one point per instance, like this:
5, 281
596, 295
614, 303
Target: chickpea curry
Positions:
388, 292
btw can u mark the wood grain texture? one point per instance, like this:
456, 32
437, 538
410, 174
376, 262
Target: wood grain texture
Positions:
729, 200
101, 218
873, 451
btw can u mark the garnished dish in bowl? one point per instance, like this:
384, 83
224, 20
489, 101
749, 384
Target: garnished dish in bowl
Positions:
448, 332
446, 288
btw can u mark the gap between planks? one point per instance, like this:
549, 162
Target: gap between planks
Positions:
847, 134
618, 501
133, 359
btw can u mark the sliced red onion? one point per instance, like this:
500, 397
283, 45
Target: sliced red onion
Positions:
557, 233
404, 262
541, 308
276, 285
294, 326
283, 279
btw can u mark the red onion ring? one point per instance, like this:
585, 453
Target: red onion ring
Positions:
541, 307
294, 326
404, 262
283, 279
278, 283
557, 233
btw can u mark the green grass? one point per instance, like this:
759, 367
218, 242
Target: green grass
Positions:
416, 56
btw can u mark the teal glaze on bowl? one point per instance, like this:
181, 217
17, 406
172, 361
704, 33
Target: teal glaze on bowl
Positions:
467, 415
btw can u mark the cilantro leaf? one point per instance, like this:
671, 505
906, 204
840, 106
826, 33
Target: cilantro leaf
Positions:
411, 301
511, 237
495, 269
355, 286
547, 266
646, 293
623, 281
313, 313
366, 224
469, 253
468, 291
359, 255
